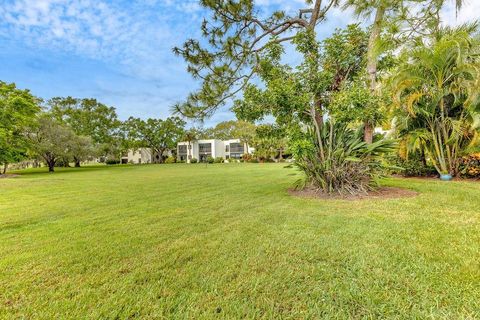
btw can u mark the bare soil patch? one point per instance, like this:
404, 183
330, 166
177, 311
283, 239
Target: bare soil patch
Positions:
381, 193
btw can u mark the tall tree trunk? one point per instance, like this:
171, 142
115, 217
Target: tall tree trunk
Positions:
77, 162
5, 166
372, 64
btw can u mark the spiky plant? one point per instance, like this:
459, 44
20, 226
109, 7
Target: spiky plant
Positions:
343, 163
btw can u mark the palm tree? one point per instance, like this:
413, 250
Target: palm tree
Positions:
437, 87
190, 136
382, 10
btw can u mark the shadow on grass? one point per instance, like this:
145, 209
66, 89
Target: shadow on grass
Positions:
60, 170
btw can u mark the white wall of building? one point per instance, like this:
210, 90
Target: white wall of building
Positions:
218, 148
141, 156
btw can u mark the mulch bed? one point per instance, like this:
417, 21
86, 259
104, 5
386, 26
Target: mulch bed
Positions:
382, 193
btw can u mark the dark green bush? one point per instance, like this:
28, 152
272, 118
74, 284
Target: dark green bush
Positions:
112, 161
219, 160
210, 159
414, 166
193, 160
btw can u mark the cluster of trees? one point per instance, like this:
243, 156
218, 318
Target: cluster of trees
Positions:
67, 130
64, 131
405, 68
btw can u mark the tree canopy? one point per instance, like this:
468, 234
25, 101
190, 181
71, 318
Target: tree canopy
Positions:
18, 109
157, 134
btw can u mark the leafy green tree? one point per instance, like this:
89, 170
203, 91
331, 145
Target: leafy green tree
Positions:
233, 129
437, 88
18, 109
245, 131
292, 96
355, 102
223, 130
89, 117
270, 141
81, 148
397, 19
237, 35
157, 134
50, 140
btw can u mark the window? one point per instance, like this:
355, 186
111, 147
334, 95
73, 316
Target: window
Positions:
236, 148
205, 148
182, 150
227, 148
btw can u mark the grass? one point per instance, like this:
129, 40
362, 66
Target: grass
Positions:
227, 241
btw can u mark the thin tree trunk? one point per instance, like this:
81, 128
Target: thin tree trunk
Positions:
372, 64
5, 166
368, 132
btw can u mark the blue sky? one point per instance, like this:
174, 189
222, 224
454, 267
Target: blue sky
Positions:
118, 51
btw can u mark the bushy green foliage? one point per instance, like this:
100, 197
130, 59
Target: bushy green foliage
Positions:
413, 166
17, 112
436, 88
112, 161
210, 159
339, 161
193, 160
170, 160
219, 160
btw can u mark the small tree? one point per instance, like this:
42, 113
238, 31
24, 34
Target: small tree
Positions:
50, 140
81, 148
270, 141
190, 136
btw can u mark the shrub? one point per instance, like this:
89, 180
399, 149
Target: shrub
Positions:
170, 160
210, 159
412, 167
219, 160
470, 166
246, 157
338, 161
252, 160
112, 161
193, 160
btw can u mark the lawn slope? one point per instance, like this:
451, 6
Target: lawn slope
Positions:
228, 241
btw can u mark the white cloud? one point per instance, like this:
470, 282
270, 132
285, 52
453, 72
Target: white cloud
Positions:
470, 11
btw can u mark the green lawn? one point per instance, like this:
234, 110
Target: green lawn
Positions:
228, 241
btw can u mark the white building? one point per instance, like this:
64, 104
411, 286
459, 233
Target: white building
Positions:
202, 149
142, 155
